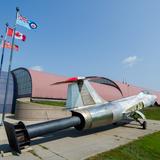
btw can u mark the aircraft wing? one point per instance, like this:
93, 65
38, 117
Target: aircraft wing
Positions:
134, 111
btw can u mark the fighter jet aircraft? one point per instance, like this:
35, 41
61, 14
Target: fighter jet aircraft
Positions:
82, 99
89, 110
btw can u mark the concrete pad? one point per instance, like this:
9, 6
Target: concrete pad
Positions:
24, 156
71, 144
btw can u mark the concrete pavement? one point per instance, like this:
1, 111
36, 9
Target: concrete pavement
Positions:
71, 144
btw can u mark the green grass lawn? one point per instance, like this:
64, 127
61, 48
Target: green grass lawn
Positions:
146, 148
152, 113
52, 103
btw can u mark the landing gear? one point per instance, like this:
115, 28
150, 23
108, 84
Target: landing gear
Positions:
141, 121
144, 125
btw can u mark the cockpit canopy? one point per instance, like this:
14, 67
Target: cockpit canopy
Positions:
147, 92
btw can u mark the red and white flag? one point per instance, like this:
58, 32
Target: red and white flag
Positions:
9, 46
18, 35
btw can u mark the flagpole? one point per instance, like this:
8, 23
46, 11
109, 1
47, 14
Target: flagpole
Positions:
9, 69
2, 55
3, 48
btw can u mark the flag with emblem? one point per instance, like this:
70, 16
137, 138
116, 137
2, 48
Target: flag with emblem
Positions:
23, 21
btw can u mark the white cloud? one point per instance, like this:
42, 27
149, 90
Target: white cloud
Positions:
37, 68
130, 61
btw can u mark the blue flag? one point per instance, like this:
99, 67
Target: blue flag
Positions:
23, 21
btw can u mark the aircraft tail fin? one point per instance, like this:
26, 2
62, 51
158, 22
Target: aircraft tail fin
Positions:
80, 92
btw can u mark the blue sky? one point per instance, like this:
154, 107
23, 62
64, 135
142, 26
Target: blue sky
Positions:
111, 38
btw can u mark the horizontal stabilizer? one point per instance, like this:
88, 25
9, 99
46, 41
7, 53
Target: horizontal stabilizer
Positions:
81, 93
95, 79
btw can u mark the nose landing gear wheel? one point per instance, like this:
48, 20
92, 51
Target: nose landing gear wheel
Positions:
144, 125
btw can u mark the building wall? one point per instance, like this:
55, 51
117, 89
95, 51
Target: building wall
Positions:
3, 80
34, 84
37, 84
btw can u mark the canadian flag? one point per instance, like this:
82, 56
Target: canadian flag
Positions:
18, 35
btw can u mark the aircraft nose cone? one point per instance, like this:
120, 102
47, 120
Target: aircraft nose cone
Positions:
154, 97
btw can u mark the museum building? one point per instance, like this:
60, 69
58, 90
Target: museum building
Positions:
37, 85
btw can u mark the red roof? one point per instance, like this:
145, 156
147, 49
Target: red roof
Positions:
42, 88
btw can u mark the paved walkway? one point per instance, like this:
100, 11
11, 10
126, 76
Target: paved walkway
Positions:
76, 145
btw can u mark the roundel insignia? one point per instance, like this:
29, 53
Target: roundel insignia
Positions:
33, 25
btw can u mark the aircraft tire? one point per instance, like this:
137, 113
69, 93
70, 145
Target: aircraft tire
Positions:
144, 125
